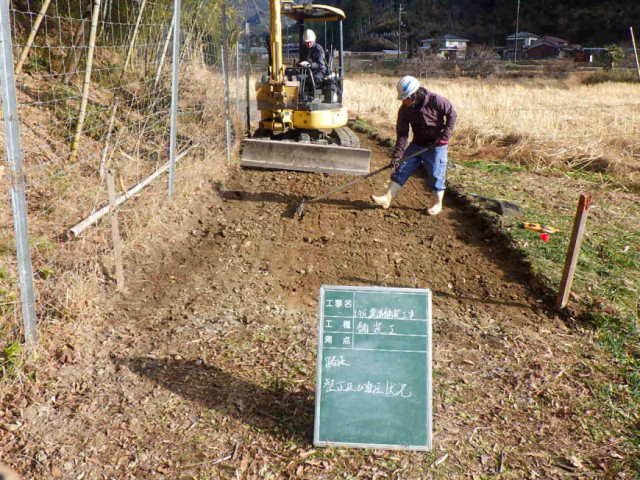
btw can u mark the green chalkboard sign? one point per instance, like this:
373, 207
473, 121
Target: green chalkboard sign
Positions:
373, 385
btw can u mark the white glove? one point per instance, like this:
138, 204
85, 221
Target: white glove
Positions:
304, 64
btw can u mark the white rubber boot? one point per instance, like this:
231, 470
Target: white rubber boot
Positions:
436, 208
385, 200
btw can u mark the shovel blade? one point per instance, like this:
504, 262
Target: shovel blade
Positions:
508, 209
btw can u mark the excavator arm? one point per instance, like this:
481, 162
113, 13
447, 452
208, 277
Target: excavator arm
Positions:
276, 67
303, 131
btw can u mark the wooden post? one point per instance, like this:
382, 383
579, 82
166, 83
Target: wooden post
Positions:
105, 150
115, 231
571, 261
32, 36
133, 39
635, 51
165, 47
87, 80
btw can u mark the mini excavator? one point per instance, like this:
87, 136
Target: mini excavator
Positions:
303, 123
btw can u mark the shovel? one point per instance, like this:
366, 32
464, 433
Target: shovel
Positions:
300, 208
505, 208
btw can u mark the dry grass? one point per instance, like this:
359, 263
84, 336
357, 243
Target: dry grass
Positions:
545, 122
70, 273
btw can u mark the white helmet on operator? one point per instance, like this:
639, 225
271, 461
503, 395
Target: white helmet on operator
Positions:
308, 36
407, 86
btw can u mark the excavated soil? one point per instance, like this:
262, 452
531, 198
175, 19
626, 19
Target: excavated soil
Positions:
205, 368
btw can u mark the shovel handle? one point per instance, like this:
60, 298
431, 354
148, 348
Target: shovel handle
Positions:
347, 185
368, 175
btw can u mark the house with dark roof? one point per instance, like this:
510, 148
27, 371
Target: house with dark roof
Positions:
524, 40
551, 47
447, 46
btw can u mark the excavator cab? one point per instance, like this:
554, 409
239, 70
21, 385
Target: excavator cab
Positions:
303, 121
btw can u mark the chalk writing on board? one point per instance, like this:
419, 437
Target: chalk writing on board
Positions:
387, 389
378, 329
337, 303
333, 361
386, 313
374, 368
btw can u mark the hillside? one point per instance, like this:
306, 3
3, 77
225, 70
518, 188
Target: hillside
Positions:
587, 22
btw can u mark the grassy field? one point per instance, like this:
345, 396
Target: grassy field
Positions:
540, 144
543, 123
523, 142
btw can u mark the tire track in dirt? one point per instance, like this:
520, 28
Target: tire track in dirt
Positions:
206, 368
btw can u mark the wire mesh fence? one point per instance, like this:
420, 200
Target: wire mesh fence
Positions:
93, 86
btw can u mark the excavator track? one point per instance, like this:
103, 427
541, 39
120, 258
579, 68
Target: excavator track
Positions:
346, 137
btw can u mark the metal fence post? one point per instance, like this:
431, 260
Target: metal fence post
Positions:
237, 76
225, 74
174, 95
18, 199
247, 68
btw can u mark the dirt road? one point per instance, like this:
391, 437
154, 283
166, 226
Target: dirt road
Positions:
206, 368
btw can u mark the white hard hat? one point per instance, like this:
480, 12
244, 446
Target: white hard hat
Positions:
407, 86
309, 36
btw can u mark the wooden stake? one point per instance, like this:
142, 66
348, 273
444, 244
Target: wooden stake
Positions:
571, 261
105, 150
635, 51
32, 36
163, 56
115, 231
87, 80
133, 38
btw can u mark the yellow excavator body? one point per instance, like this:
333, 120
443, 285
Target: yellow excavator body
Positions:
303, 126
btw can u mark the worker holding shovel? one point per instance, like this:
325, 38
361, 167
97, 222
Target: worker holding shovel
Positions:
432, 119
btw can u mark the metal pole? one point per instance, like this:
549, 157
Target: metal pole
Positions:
399, 23
515, 48
225, 74
341, 63
237, 77
247, 68
174, 95
18, 198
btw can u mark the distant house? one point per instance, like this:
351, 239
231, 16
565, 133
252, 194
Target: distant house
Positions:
448, 46
551, 47
593, 54
525, 40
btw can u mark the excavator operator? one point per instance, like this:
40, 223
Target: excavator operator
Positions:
314, 57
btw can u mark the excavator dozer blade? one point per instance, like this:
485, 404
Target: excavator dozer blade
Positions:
304, 157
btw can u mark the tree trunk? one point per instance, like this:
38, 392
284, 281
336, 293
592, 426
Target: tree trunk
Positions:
78, 43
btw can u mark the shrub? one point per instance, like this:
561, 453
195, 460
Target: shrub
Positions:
626, 76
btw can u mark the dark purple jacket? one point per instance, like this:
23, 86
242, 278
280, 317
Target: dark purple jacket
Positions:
431, 121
